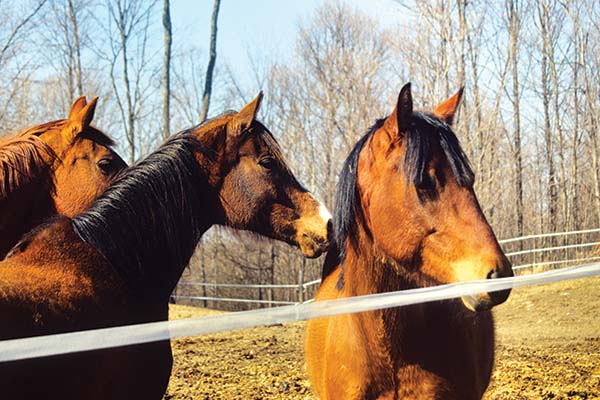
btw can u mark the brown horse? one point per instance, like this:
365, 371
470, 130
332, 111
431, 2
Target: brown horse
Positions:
118, 262
406, 217
56, 167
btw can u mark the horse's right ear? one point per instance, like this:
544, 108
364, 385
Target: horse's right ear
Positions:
399, 120
81, 116
246, 116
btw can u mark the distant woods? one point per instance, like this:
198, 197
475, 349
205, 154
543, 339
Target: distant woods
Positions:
529, 121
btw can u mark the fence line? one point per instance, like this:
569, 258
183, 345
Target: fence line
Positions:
540, 250
240, 285
233, 300
249, 286
66, 343
301, 287
540, 264
311, 283
547, 235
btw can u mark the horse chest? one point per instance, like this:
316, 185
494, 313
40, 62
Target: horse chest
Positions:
412, 354
444, 355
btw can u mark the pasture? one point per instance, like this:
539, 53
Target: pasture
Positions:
548, 347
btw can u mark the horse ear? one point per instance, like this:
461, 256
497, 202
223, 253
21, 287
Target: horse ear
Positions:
82, 118
447, 109
246, 116
86, 115
76, 107
399, 119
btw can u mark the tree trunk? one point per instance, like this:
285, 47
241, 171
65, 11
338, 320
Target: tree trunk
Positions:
462, 62
591, 95
166, 72
549, 148
203, 274
301, 281
595, 172
77, 48
260, 277
129, 117
574, 187
272, 272
558, 133
208, 82
514, 27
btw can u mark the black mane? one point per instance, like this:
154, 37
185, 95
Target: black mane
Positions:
347, 201
150, 215
425, 132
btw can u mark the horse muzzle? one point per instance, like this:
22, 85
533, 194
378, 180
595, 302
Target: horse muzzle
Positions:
485, 301
312, 246
314, 232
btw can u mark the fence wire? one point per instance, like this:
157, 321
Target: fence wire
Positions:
530, 253
66, 343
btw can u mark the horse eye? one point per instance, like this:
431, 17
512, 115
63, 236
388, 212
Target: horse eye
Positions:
428, 181
105, 165
267, 162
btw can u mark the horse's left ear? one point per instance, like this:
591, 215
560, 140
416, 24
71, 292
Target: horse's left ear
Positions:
246, 116
399, 120
447, 109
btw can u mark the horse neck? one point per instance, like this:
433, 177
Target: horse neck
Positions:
397, 333
147, 224
22, 209
17, 217
368, 271
408, 335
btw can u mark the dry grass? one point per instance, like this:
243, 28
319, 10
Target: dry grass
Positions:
548, 348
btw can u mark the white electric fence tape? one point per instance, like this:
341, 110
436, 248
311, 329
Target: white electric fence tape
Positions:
43, 346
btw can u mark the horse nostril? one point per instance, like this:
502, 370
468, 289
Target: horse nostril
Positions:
493, 274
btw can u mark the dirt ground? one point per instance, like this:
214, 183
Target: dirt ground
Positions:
548, 347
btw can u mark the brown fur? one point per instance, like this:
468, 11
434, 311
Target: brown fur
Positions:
50, 168
22, 159
408, 237
57, 281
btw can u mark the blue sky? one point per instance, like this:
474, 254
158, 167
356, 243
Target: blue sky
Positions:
263, 27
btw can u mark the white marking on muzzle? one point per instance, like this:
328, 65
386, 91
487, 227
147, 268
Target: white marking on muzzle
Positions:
324, 212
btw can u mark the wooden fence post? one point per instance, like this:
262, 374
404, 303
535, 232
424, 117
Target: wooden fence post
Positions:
301, 284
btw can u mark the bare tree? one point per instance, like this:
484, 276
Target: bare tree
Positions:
166, 72
573, 189
63, 47
590, 73
513, 16
17, 30
128, 31
18, 62
76, 46
188, 83
208, 82
543, 18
